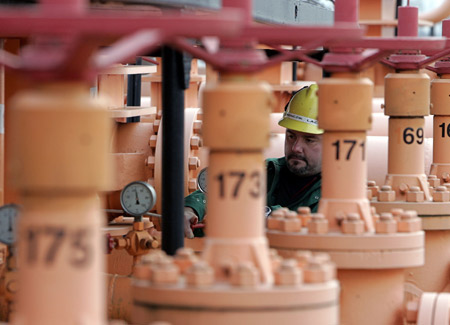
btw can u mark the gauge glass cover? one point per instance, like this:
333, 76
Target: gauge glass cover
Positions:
202, 180
8, 221
137, 198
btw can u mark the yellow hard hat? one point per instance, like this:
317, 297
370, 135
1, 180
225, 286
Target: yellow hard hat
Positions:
302, 110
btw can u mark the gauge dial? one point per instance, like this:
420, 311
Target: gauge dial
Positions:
137, 198
202, 180
8, 219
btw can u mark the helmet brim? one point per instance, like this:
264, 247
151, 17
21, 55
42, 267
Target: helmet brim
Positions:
299, 126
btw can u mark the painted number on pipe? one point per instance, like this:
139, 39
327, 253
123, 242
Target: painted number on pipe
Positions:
236, 179
442, 126
410, 136
43, 245
345, 148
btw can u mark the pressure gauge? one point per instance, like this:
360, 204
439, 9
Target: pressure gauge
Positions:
8, 218
201, 180
137, 198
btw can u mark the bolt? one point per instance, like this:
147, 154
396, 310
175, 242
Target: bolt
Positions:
304, 214
318, 224
245, 275
403, 188
316, 272
302, 258
396, 213
386, 194
373, 188
156, 125
445, 177
441, 194
288, 273
386, 225
192, 184
197, 126
275, 259
152, 141
409, 222
415, 194
184, 258
433, 181
353, 224
412, 310
290, 223
150, 162
200, 274
194, 163
195, 142
164, 271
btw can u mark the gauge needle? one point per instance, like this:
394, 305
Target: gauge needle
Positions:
137, 197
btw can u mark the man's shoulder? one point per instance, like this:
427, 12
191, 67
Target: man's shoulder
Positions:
276, 161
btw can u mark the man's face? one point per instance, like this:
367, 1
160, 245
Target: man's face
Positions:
303, 152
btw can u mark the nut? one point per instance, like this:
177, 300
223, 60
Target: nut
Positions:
412, 310
318, 272
194, 163
415, 194
396, 213
304, 214
290, 224
245, 275
156, 124
386, 225
275, 259
409, 222
142, 271
302, 258
192, 184
197, 126
150, 162
184, 258
386, 194
121, 243
200, 274
288, 273
164, 271
274, 222
373, 188
353, 224
433, 181
195, 142
441, 194
152, 141
279, 213
318, 224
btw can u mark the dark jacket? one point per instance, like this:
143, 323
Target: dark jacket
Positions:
309, 195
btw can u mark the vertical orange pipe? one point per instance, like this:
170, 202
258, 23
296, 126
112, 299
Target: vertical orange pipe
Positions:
236, 114
407, 101
2, 130
345, 119
440, 101
59, 162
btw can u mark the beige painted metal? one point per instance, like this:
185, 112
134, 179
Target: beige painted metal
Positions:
236, 280
381, 290
407, 101
59, 143
2, 129
236, 177
440, 88
345, 120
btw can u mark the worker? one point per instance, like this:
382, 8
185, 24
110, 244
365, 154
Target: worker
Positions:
293, 180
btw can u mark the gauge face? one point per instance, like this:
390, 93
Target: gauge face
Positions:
137, 198
8, 219
201, 180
